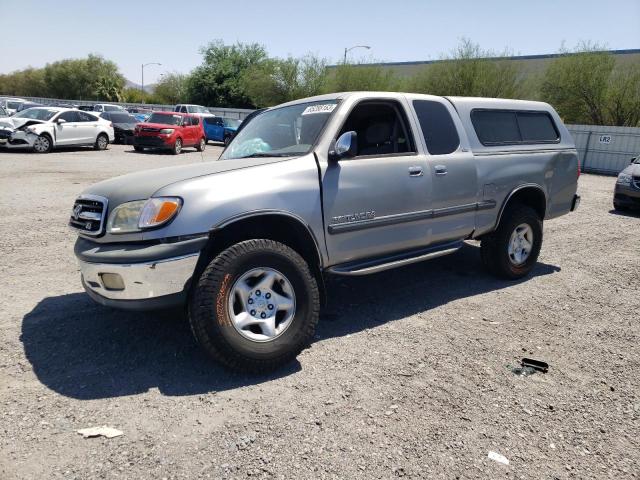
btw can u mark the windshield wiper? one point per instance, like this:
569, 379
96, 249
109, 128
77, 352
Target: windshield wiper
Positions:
266, 154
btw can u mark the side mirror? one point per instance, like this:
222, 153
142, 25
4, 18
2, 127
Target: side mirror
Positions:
60, 121
346, 146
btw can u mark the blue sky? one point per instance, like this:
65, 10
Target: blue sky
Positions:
171, 32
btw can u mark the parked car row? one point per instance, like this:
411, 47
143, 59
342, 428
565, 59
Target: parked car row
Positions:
29, 125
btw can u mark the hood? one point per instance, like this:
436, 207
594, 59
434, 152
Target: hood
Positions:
156, 125
633, 169
15, 123
142, 185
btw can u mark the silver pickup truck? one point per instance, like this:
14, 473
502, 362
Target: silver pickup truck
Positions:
342, 184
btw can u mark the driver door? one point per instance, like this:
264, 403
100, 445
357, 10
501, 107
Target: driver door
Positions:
67, 132
378, 201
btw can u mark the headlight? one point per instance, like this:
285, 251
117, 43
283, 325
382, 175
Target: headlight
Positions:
167, 131
140, 214
624, 179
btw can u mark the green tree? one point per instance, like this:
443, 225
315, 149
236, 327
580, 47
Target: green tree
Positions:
86, 78
275, 81
469, 71
586, 86
219, 80
362, 76
171, 88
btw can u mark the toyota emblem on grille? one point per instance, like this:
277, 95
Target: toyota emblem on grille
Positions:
76, 211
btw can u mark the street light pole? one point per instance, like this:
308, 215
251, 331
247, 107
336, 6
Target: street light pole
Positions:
145, 65
347, 50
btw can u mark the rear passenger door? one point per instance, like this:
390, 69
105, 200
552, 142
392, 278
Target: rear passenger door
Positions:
187, 128
452, 167
87, 128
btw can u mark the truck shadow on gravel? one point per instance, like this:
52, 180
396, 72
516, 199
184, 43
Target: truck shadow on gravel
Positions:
85, 351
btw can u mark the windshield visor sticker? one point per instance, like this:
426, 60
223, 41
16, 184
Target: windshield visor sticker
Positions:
326, 108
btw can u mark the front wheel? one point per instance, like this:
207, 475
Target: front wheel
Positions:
256, 306
512, 250
177, 147
620, 208
101, 142
42, 144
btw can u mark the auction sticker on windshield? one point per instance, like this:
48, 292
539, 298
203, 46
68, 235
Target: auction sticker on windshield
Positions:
326, 108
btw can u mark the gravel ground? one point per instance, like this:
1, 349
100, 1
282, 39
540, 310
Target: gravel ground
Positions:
410, 373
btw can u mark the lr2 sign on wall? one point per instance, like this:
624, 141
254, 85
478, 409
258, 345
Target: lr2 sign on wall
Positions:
606, 139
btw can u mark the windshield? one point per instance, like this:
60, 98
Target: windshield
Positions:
165, 119
122, 118
112, 108
231, 122
281, 132
36, 114
198, 109
13, 105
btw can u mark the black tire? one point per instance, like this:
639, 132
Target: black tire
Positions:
102, 141
177, 147
494, 248
44, 144
209, 316
201, 145
138, 149
620, 208
227, 140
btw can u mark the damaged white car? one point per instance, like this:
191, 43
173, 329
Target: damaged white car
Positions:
42, 129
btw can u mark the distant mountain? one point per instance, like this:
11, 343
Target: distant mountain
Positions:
147, 88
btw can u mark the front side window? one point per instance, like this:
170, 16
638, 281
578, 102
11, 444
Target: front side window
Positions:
69, 116
381, 128
440, 133
37, 114
282, 132
165, 119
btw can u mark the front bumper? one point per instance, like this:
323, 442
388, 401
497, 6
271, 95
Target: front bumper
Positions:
627, 196
153, 142
132, 277
17, 138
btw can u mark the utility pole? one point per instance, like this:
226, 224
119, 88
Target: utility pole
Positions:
347, 50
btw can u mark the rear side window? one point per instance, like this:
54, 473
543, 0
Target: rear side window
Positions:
506, 127
440, 133
195, 121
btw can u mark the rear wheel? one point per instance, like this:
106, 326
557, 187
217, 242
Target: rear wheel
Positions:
201, 145
42, 144
256, 306
101, 142
177, 147
227, 139
138, 149
512, 250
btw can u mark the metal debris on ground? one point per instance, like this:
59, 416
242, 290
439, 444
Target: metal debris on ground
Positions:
103, 431
498, 458
530, 366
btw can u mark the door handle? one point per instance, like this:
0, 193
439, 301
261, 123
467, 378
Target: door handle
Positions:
440, 170
415, 171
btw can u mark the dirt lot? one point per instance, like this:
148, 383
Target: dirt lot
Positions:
410, 373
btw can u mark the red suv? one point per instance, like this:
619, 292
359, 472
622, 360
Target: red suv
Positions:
170, 131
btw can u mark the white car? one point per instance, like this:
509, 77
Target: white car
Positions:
42, 129
11, 105
194, 109
107, 107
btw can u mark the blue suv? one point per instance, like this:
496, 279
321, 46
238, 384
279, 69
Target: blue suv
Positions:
220, 129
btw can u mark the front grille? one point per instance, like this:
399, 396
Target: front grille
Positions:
149, 129
148, 141
88, 214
